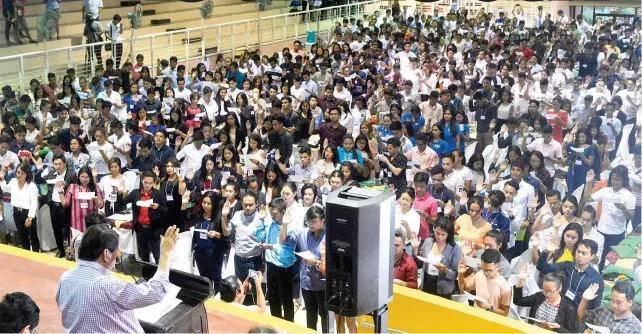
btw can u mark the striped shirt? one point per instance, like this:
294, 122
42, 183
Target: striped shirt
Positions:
80, 208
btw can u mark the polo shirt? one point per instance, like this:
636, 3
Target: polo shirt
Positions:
349, 155
552, 149
426, 159
429, 205
334, 135
406, 270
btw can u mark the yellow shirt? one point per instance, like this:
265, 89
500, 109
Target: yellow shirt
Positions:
464, 227
567, 256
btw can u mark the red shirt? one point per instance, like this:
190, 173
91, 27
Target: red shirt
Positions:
429, 205
557, 127
406, 270
143, 218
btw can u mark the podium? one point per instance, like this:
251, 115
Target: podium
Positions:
190, 315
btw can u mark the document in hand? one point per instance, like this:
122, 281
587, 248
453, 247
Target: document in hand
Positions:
145, 204
86, 195
599, 329
307, 255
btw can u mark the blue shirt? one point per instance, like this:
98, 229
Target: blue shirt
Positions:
133, 106
450, 137
280, 255
311, 277
574, 281
440, 147
201, 240
416, 124
383, 132
499, 221
461, 130
348, 155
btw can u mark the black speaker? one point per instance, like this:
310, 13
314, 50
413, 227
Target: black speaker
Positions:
359, 250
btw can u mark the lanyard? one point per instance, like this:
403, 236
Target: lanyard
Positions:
172, 190
570, 283
618, 325
493, 222
441, 197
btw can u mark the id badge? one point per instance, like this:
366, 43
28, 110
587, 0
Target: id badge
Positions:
578, 162
203, 236
482, 117
84, 205
570, 294
432, 270
170, 198
439, 209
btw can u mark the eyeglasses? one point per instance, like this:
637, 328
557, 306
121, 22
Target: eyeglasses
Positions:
489, 271
550, 293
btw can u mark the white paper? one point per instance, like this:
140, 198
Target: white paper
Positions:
226, 175
93, 147
200, 114
533, 319
170, 130
121, 217
232, 109
425, 259
200, 230
473, 262
577, 149
145, 204
86, 195
307, 255
352, 161
246, 156
549, 116
599, 329
470, 296
215, 146
153, 313
296, 178
148, 133
609, 199
51, 181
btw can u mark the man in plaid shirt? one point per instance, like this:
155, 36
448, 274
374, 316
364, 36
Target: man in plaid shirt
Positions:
619, 319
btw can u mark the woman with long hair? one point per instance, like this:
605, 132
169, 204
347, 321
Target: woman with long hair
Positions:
256, 163
472, 227
539, 171
84, 197
234, 131
209, 242
175, 122
207, 177
567, 215
24, 199
450, 134
222, 101
100, 158
439, 279
370, 167
581, 153
230, 164
173, 185
325, 166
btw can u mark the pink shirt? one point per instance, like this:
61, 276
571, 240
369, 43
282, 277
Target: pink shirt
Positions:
429, 205
427, 159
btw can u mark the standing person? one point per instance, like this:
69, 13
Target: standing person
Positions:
209, 244
24, 199
618, 319
173, 185
147, 217
487, 283
93, 31
55, 6
114, 32
311, 239
279, 243
19, 22
614, 217
92, 280
81, 205
549, 306
109, 185
60, 216
247, 250
7, 12
395, 165
443, 255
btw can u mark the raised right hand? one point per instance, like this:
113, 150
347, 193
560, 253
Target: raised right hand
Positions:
590, 176
591, 293
523, 273
169, 241
462, 267
262, 212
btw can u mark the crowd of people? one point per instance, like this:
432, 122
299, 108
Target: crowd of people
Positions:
513, 149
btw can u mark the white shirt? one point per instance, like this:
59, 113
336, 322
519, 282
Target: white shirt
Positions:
599, 239
524, 195
210, 108
113, 31
122, 144
456, 181
92, 6
612, 220
411, 217
97, 159
184, 94
192, 156
404, 59
15, 160
25, 198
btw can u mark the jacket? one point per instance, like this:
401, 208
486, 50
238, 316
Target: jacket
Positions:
155, 216
70, 178
566, 315
450, 258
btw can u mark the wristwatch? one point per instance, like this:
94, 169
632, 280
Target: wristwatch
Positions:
490, 309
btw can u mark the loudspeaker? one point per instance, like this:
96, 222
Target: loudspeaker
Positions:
359, 250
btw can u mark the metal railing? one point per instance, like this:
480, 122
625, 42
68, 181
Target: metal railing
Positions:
267, 33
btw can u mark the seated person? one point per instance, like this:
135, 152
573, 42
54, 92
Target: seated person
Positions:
487, 283
233, 291
91, 219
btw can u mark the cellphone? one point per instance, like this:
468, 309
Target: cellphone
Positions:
24, 154
253, 274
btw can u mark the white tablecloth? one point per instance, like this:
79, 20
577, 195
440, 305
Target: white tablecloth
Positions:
127, 241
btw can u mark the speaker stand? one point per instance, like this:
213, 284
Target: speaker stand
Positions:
380, 318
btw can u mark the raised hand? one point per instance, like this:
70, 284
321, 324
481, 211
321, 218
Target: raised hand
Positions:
277, 155
552, 245
467, 247
190, 173
590, 176
536, 240
462, 267
449, 209
480, 185
493, 177
591, 293
226, 209
534, 203
558, 221
287, 217
523, 273
414, 241
262, 212
169, 241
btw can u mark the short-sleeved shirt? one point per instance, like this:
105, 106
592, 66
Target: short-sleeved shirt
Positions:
428, 204
612, 220
496, 291
464, 227
334, 135
552, 150
399, 181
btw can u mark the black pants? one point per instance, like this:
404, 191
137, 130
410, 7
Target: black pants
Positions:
315, 307
242, 268
28, 235
60, 219
7, 27
279, 292
97, 49
430, 286
147, 241
209, 262
609, 241
117, 53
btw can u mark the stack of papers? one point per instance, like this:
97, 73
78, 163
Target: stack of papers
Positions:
152, 313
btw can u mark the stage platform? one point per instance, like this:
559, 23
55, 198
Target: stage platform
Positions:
37, 275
